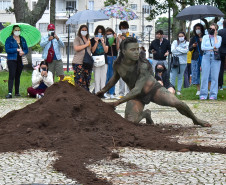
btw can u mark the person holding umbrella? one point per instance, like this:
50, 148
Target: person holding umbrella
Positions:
15, 47
210, 63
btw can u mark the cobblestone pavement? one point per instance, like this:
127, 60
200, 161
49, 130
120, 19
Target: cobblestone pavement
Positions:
135, 166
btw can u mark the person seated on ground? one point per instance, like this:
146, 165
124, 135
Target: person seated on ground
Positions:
41, 79
138, 75
162, 77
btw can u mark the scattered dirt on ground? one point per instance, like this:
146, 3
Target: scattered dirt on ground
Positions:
82, 129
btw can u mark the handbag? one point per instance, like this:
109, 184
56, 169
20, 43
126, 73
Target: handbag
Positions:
175, 61
87, 60
99, 60
51, 53
216, 53
24, 58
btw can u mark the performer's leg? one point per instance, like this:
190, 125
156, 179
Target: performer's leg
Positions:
165, 98
135, 112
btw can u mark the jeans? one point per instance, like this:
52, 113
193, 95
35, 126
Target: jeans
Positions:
195, 72
174, 73
110, 72
154, 62
209, 66
221, 74
187, 74
15, 70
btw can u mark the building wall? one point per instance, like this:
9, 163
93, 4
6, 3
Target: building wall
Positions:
61, 18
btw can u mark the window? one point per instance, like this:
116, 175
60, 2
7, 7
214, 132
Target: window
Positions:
133, 6
133, 27
47, 8
71, 3
73, 28
91, 5
146, 9
43, 27
71, 52
33, 5
5, 4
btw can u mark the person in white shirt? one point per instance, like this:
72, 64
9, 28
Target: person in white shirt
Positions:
42, 78
180, 49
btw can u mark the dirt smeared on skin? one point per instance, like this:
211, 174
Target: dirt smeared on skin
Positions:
82, 129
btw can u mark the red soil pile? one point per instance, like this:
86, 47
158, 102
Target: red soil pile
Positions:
81, 128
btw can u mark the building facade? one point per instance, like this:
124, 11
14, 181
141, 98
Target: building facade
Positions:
138, 27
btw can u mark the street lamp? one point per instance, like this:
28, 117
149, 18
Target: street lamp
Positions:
149, 28
69, 10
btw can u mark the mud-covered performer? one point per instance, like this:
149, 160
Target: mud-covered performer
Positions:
138, 75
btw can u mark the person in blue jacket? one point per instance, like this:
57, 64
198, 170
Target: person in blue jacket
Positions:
15, 47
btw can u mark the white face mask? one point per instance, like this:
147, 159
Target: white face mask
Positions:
124, 31
181, 39
83, 33
16, 33
198, 32
109, 36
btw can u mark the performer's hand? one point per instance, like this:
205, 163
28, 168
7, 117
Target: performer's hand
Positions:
113, 104
100, 94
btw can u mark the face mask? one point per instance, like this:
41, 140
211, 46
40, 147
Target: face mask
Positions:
211, 31
50, 32
124, 31
159, 70
16, 33
181, 39
83, 33
109, 36
198, 32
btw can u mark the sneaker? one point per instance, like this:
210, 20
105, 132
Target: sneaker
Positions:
221, 88
38, 96
197, 93
112, 96
202, 98
18, 95
178, 93
106, 96
9, 96
212, 98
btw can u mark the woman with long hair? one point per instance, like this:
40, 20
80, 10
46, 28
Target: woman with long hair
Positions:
15, 47
81, 45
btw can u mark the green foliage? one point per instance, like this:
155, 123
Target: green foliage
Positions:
2, 46
37, 48
162, 24
112, 2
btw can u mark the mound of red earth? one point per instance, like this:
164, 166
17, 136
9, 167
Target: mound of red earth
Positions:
82, 129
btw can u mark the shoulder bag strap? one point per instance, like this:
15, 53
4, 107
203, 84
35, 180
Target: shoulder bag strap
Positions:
84, 43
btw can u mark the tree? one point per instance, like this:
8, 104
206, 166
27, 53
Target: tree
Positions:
25, 15
52, 11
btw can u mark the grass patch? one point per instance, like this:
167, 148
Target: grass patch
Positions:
25, 82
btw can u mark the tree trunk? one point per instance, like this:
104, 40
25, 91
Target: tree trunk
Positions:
24, 15
52, 11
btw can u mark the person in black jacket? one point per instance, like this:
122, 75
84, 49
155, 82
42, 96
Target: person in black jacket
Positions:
195, 46
162, 77
160, 48
222, 50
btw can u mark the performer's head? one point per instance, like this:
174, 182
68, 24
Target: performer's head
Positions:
129, 49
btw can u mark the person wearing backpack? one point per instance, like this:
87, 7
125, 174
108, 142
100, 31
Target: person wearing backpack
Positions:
179, 49
51, 52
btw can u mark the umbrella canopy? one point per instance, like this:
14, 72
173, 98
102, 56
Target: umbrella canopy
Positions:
31, 34
87, 16
119, 12
199, 12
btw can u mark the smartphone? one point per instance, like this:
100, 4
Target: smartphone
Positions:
44, 69
52, 34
